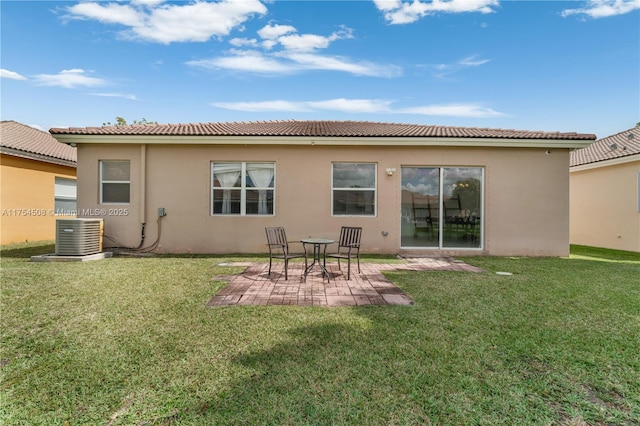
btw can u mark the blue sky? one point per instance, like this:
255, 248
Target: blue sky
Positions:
570, 66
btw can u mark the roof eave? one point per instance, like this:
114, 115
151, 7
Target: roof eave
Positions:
605, 163
37, 157
75, 139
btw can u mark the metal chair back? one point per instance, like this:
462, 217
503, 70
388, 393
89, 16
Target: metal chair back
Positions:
350, 237
277, 238
279, 248
348, 247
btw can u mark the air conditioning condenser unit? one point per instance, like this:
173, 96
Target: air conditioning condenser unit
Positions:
79, 237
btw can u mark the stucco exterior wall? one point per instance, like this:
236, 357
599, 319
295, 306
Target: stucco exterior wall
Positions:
27, 199
526, 190
604, 206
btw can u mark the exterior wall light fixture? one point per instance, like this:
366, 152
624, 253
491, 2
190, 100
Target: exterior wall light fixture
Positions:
390, 171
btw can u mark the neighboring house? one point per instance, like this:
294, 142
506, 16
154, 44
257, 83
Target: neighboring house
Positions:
605, 192
412, 188
37, 183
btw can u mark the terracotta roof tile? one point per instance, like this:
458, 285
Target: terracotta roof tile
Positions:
317, 128
619, 145
34, 143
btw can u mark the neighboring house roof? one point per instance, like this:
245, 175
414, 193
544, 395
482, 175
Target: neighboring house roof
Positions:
612, 147
318, 128
20, 140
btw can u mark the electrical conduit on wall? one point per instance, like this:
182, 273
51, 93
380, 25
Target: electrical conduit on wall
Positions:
143, 191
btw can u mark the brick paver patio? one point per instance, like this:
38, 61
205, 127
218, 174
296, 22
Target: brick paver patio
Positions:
255, 287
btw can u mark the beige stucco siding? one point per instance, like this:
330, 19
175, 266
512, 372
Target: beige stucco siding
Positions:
121, 221
604, 206
525, 195
526, 206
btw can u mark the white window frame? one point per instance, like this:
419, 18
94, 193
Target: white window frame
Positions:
102, 182
243, 188
441, 218
63, 192
441, 207
374, 189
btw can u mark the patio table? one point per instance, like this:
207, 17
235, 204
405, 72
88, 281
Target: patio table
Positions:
319, 246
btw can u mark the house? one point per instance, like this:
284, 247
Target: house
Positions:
37, 183
605, 192
214, 187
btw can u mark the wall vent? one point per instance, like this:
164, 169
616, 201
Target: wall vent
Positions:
78, 237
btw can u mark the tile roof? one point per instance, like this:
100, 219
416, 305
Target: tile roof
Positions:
621, 144
24, 141
317, 128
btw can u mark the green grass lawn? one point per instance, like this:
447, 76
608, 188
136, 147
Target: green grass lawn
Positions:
129, 341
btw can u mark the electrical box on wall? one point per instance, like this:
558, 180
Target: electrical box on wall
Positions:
161, 212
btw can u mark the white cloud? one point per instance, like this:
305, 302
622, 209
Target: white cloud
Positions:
286, 36
472, 61
241, 42
147, 2
111, 13
312, 61
343, 105
284, 51
406, 12
273, 32
265, 106
444, 70
116, 95
352, 105
453, 110
604, 8
304, 42
385, 5
11, 75
167, 23
246, 61
311, 42
288, 61
356, 106
69, 79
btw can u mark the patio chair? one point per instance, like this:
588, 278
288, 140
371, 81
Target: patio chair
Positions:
279, 248
348, 247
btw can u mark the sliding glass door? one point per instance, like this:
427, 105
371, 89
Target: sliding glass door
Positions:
442, 207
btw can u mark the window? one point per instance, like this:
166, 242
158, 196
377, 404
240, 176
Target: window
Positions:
242, 188
114, 181
353, 187
65, 196
442, 207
